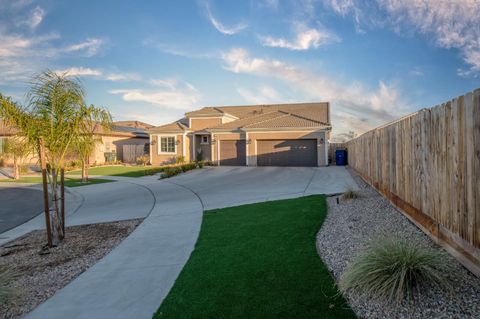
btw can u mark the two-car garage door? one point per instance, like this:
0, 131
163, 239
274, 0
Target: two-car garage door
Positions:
287, 152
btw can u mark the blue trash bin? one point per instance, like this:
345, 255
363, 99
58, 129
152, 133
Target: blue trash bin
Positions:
341, 157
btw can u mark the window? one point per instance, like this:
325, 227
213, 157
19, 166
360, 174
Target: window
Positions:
204, 139
167, 144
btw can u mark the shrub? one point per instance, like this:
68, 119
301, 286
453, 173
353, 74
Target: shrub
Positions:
6, 276
179, 160
200, 164
171, 171
188, 167
199, 156
394, 270
349, 194
143, 160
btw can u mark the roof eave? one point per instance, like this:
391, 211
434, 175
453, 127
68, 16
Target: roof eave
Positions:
311, 128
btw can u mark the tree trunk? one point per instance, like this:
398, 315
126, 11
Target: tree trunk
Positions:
16, 169
85, 170
55, 212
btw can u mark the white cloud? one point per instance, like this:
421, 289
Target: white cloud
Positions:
36, 17
264, 95
79, 71
305, 39
116, 77
99, 74
450, 24
182, 96
379, 106
89, 47
222, 28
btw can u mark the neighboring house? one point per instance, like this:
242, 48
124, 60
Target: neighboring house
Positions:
112, 142
254, 135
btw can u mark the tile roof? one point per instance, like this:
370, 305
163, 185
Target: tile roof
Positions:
175, 127
316, 111
122, 131
274, 119
135, 124
296, 115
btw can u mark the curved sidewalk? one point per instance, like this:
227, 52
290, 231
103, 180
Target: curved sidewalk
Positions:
143, 267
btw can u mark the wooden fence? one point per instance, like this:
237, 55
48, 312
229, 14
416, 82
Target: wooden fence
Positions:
132, 152
332, 147
428, 165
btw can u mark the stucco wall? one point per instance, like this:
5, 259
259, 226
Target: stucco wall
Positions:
199, 124
160, 159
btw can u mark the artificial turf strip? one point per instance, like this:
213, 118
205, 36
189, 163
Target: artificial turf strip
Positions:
258, 261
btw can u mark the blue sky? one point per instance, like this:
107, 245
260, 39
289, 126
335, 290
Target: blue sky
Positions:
155, 60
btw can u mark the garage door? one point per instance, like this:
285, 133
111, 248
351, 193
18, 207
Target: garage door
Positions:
232, 152
287, 152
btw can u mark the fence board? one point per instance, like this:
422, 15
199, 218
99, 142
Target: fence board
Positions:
428, 164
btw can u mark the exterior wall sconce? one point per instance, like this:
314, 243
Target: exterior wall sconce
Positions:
177, 142
322, 141
153, 142
249, 141
214, 141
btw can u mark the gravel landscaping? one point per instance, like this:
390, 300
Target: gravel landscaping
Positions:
40, 272
347, 230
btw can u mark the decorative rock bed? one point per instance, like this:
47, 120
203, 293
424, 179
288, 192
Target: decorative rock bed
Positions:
351, 224
40, 273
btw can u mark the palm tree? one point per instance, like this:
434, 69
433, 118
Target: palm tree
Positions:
53, 119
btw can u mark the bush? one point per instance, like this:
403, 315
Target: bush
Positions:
394, 270
143, 160
200, 164
179, 160
188, 167
349, 194
170, 171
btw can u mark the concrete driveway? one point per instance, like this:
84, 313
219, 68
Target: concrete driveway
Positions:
230, 186
133, 279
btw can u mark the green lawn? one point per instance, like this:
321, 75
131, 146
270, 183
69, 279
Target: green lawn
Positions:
69, 182
126, 171
258, 261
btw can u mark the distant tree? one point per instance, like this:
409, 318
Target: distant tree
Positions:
55, 116
18, 149
84, 144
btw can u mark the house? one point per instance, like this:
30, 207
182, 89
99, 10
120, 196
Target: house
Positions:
111, 143
252, 135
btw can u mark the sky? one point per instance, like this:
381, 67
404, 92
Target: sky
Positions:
152, 61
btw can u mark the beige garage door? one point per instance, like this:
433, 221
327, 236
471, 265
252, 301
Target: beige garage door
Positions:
232, 153
287, 152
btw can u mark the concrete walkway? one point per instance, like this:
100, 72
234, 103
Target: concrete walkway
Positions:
133, 280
